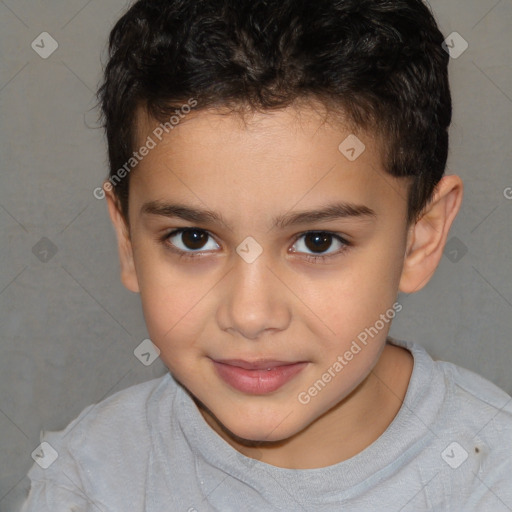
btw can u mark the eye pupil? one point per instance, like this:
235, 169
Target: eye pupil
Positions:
194, 239
321, 241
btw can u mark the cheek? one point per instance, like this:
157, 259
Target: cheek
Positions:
173, 326
354, 297
377, 273
357, 306
173, 304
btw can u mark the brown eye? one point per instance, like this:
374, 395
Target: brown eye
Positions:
194, 239
313, 245
320, 242
189, 240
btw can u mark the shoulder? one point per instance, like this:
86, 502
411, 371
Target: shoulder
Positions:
122, 413
470, 433
469, 396
102, 455
476, 399
478, 415
107, 431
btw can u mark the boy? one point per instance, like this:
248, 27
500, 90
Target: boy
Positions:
276, 178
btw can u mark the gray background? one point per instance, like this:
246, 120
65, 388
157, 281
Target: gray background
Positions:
69, 328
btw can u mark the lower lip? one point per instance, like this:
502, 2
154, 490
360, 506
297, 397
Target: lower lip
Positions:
257, 382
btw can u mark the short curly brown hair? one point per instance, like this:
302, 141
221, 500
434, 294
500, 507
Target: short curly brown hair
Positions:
379, 62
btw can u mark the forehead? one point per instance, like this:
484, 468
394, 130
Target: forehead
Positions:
306, 116
293, 156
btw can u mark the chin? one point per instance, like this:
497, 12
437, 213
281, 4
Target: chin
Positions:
260, 429
247, 430
257, 435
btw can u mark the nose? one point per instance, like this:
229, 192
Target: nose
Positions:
255, 300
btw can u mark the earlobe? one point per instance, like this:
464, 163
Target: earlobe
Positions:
124, 244
427, 237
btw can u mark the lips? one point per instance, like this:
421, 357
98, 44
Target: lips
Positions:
257, 377
261, 364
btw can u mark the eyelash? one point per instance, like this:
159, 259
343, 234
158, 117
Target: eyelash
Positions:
309, 257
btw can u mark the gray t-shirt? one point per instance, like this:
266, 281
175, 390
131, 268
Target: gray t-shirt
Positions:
148, 448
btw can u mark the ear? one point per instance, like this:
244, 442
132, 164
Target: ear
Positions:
427, 237
124, 244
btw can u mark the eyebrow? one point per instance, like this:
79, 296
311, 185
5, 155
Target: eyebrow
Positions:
330, 212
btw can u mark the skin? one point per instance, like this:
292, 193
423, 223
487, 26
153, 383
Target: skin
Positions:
281, 306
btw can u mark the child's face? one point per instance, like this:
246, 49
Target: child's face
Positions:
222, 305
